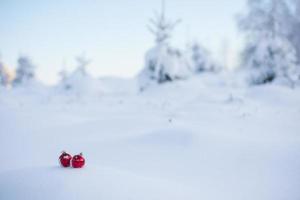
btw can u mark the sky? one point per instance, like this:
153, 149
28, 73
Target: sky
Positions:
113, 34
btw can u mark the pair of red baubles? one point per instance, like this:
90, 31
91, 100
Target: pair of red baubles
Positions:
66, 160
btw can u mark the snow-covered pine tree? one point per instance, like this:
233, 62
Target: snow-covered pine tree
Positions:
4, 76
82, 63
79, 82
63, 74
74, 79
25, 72
200, 59
268, 53
162, 62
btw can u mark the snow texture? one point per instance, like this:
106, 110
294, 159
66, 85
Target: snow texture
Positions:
205, 138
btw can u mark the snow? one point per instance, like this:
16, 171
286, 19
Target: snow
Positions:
205, 138
269, 54
79, 83
163, 64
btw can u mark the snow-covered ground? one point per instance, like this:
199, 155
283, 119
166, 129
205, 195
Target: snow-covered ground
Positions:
202, 139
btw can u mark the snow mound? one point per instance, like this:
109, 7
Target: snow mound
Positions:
167, 138
86, 183
79, 84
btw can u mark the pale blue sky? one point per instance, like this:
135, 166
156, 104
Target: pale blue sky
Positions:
112, 33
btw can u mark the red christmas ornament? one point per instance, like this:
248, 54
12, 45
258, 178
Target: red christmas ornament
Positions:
78, 161
65, 159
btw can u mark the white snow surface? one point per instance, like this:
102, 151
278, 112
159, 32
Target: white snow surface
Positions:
205, 138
